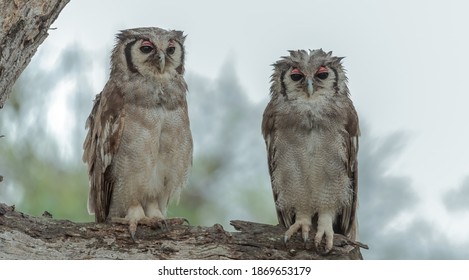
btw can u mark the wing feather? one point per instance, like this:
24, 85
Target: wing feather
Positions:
268, 131
105, 125
347, 219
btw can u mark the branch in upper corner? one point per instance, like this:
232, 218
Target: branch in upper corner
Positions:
24, 27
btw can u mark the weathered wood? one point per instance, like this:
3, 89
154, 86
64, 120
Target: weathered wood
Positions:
23, 27
27, 237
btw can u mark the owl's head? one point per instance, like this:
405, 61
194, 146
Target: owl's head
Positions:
148, 51
308, 74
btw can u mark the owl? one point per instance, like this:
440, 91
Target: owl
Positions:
311, 132
139, 144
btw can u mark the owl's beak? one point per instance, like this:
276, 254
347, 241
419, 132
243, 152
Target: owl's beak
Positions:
309, 82
162, 61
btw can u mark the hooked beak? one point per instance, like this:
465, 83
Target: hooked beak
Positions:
309, 82
161, 61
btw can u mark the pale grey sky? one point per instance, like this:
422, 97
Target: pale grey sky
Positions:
407, 65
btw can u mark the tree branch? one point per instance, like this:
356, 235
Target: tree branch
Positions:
23, 27
27, 237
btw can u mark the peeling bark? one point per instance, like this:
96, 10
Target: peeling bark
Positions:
26, 237
23, 27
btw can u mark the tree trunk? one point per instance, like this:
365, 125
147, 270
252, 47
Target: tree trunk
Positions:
23, 27
27, 237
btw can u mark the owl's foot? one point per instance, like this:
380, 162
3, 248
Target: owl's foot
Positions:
157, 222
325, 230
154, 222
303, 224
132, 223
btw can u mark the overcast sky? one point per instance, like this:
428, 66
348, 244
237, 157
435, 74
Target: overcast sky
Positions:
407, 66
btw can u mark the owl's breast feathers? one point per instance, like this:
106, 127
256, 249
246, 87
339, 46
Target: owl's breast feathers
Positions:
168, 92
298, 115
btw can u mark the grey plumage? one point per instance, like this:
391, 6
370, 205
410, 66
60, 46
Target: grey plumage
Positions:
139, 144
311, 131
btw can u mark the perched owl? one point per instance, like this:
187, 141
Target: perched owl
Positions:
139, 143
311, 131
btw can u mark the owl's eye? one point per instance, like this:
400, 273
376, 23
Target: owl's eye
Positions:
322, 75
170, 50
147, 47
296, 74
296, 77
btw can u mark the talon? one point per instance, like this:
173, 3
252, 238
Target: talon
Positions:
305, 236
154, 223
317, 241
303, 224
123, 221
325, 231
329, 244
175, 221
305, 241
285, 239
132, 230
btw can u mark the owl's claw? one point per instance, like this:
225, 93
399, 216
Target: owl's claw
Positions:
133, 224
305, 240
328, 238
285, 239
305, 235
164, 224
124, 221
325, 231
305, 227
153, 223
132, 230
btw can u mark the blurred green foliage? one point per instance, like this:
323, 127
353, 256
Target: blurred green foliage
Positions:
43, 187
36, 178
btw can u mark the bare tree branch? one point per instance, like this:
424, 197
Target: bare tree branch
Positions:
27, 237
23, 27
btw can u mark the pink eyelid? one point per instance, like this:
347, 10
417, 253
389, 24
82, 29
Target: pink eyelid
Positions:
296, 71
322, 69
147, 44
